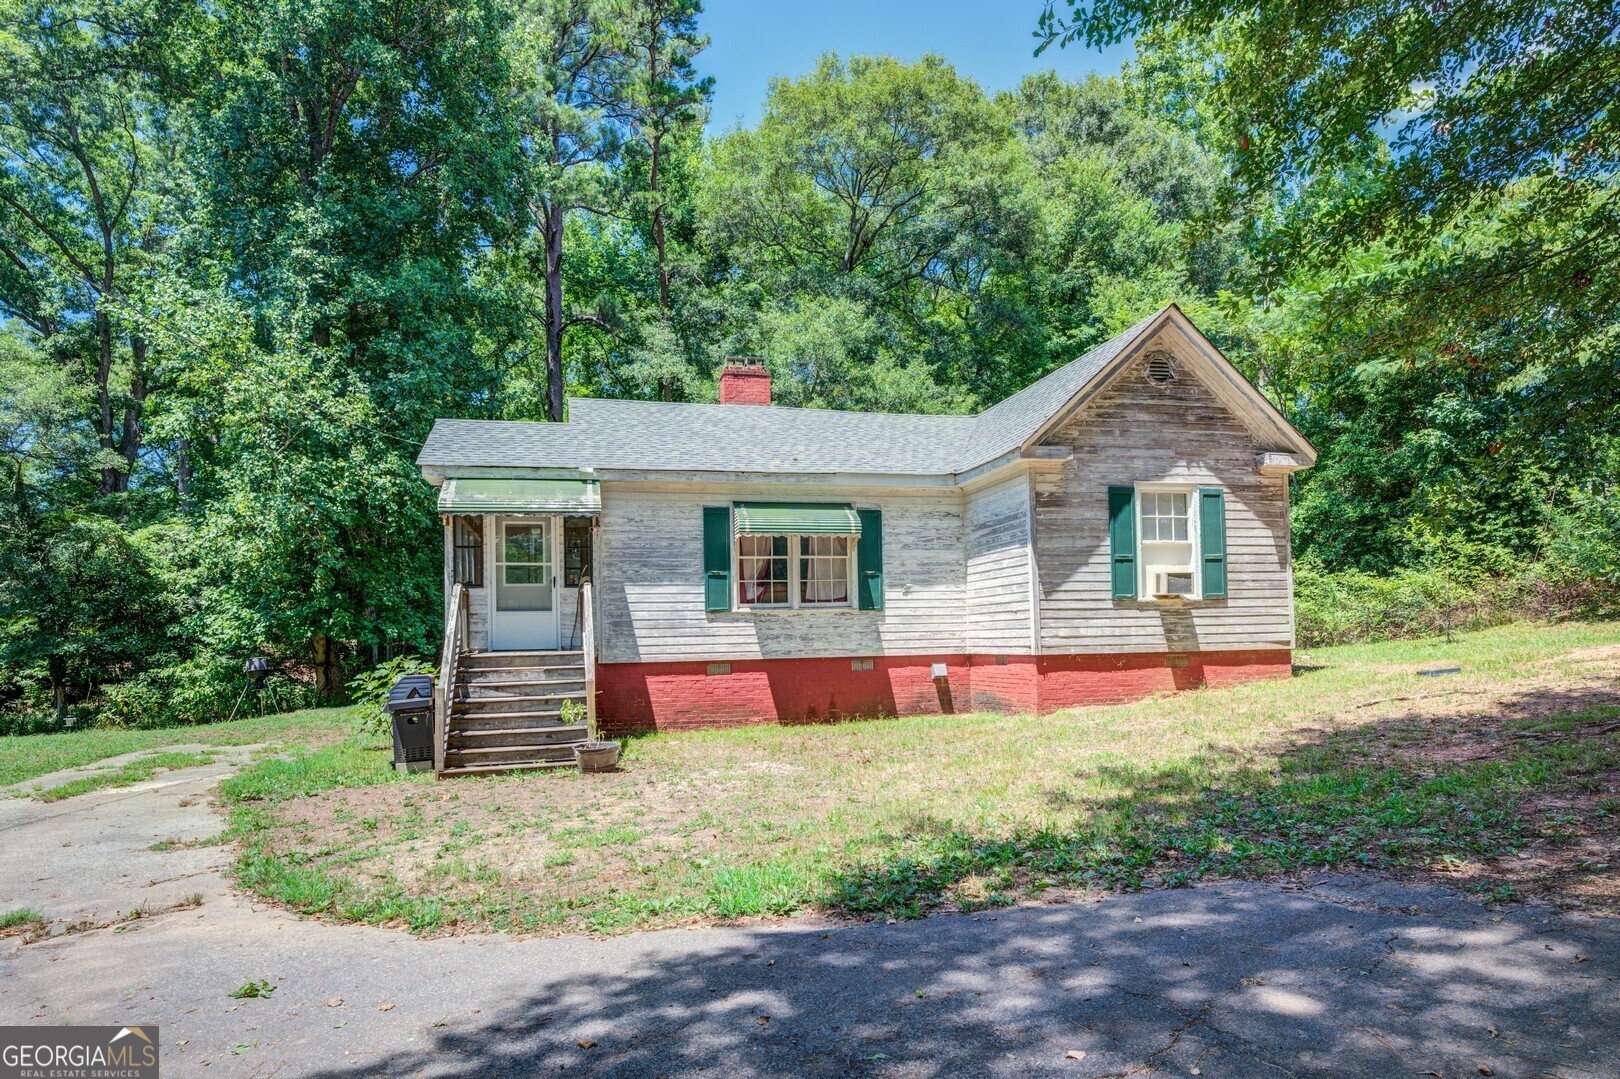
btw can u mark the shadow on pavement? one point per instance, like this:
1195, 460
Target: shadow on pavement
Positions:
1378, 980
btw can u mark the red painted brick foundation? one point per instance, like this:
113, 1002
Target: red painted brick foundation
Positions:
683, 696
1066, 681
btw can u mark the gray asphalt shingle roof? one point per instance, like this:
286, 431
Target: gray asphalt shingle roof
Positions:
660, 436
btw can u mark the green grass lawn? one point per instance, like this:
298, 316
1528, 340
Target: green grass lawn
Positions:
1505, 777
125, 775
23, 757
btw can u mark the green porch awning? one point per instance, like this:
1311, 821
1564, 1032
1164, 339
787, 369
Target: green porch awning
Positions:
813, 518
520, 496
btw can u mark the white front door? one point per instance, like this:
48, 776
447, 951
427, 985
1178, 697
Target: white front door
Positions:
525, 615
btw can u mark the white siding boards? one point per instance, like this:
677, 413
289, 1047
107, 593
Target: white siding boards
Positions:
1138, 432
652, 578
997, 596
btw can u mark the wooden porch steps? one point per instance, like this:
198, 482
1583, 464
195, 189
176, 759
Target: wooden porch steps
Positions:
518, 754
553, 735
505, 684
501, 769
506, 712
494, 660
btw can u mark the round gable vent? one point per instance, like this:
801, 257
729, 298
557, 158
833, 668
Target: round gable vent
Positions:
1160, 368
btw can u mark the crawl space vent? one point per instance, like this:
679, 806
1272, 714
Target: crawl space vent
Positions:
1160, 368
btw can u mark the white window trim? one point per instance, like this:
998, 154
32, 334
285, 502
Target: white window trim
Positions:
1195, 537
795, 577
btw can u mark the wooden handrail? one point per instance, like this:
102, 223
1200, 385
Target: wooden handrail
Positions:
455, 635
588, 644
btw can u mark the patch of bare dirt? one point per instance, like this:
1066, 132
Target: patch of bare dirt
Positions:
1574, 861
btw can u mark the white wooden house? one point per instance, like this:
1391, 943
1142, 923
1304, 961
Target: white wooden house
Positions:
1117, 528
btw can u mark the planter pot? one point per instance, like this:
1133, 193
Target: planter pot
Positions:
597, 756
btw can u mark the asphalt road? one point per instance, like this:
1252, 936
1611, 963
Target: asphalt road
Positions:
1333, 976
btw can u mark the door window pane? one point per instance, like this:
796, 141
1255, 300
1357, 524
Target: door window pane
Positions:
526, 543
525, 581
526, 574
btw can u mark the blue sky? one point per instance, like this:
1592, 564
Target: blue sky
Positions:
989, 41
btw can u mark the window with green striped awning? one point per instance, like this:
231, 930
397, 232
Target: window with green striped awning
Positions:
803, 518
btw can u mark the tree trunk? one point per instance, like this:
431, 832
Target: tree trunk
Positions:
328, 669
658, 223
182, 472
659, 246
58, 676
129, 439
552, 224
111, 479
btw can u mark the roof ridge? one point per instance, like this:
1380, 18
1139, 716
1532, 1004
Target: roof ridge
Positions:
784, 408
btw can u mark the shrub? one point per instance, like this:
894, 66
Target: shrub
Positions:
28, 721
370, 691
1350, 606
198, 691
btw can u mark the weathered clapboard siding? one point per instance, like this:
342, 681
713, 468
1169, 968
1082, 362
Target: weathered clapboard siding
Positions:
996, 534
1139, 432
651, 579
478, 600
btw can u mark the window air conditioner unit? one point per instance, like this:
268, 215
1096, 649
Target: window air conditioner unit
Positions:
1171, 584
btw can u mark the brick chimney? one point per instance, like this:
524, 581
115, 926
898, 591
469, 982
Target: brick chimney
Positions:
744, 381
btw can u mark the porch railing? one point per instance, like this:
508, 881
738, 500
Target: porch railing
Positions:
455, 636
588, 645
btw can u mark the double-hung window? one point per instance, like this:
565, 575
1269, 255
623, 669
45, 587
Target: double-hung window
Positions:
1169, 567
792, 556
1167, 542
792, 570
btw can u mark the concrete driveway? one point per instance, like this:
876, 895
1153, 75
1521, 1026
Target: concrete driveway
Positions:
1339, 976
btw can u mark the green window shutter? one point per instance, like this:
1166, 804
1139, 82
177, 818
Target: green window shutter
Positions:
869, 561
1212, 538
1122, 540
717, 558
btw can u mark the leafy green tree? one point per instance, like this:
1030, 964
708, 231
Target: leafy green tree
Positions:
664, 104
1120, 195
663, 101
569, 80
85, 146
893, 186
1477, 143
79, 605
46, 437
326, 536
872, 166
1475, 99
349, 160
